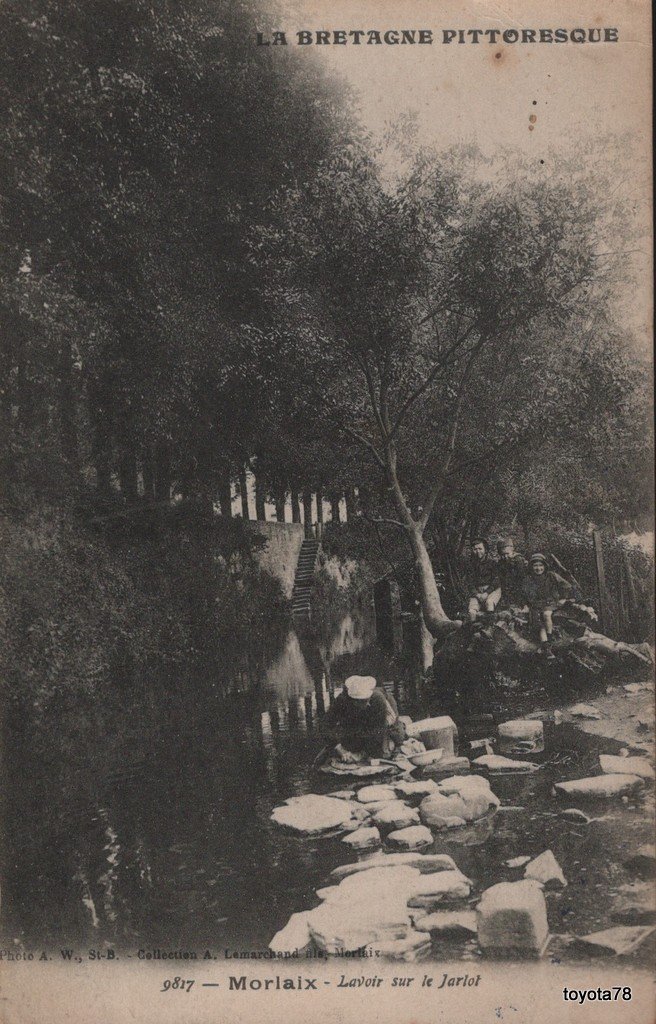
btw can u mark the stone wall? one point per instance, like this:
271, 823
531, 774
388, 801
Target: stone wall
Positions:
280, 556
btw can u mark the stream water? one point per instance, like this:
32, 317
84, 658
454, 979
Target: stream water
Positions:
166, 842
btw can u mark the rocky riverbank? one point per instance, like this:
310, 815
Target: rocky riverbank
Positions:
503, 859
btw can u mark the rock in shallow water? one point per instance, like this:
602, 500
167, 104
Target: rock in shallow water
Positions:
442, 885
497, 763
376, 794
425, 863
372, 906
643, 861
412, 838
573, 814
367, 838
407, 789
294, 936
584, 711
446, 766
621, 940
437, 733
395, 815
466, 798
512, 920
547, 870
520, 733
411, 948
446, 921
612, 765
516, 862
599, 786
312, 814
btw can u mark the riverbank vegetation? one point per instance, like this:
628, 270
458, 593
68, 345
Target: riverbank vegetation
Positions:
208, 265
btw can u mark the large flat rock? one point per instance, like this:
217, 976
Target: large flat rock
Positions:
613, 765
376, 794
425, 863
312, 814
599, 786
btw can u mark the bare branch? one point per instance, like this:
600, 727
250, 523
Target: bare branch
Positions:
379, 520
364, 441
440, 365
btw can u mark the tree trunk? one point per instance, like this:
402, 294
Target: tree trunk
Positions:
280, 504
148, 473
243, 492
260, 495
225, 494
334, 509
319, 506
127, 471
436, 619
67, 410
163, 471
100, 454
296, 508
307, 512
349, 496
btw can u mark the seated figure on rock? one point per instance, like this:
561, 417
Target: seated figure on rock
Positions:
543, 591
483, 579
512, 569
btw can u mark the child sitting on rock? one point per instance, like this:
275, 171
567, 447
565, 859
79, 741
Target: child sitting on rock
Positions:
543, 590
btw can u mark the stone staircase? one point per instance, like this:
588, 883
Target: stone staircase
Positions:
303, 580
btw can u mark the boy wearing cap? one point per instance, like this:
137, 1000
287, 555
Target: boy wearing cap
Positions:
485, 588
543, 591
364, 719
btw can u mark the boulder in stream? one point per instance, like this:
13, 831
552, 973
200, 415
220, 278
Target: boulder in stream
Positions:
412, 838
546, 870
446, 922
464, 797
395, 815
446, 766
512, 920
366, 908
295, 936
409, 789
437, 733
521, 734
431, 890
365, 838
